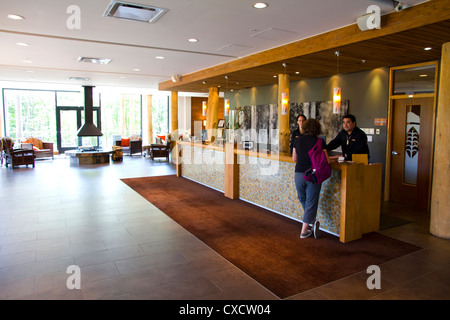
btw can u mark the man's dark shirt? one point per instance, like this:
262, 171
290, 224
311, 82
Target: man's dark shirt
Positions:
355, 143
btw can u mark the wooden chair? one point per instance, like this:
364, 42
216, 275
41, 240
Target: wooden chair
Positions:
18, 157
159, 150
135, 146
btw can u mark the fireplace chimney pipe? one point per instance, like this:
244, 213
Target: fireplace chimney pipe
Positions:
88, 129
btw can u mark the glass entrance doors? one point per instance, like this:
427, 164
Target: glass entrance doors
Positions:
68, 122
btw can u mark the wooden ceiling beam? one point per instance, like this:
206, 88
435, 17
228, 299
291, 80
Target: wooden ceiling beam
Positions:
427, 13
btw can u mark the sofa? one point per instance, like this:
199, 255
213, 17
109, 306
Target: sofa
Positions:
41, 149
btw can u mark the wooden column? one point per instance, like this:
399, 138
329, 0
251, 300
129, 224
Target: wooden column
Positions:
124, 123
149, 119
178, 154
283, 119
440, 206
212, 112
174, 115
231, 172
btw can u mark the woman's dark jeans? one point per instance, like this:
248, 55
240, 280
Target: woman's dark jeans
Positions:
308, 194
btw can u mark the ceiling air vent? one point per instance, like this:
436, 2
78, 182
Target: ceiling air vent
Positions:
94, 60
78, 78
133, 11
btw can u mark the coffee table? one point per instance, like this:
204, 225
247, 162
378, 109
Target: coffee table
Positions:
78, 157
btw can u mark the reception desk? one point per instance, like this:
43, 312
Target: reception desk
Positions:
350, 199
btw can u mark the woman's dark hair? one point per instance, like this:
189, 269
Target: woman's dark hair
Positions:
311, 127
301, 115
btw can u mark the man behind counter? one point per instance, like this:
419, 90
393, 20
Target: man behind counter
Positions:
351, 139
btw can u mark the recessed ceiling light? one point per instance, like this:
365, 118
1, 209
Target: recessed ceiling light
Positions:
427, 48
423, 75
160, 57
136, 69
27, 61
15, 17
23, 44
193, 40
260, 5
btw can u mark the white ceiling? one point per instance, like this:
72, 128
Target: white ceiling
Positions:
226, 30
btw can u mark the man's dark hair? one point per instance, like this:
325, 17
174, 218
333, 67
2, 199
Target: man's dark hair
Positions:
349, 116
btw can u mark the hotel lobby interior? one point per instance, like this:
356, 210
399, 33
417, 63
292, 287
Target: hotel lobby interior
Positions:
57, 215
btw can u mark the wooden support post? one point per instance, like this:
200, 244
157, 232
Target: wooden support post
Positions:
440, 200
174, 115
212, 112
178, 155
149, 119
231, 172
283, 119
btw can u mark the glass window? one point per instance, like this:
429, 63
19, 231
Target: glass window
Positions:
69, 99
415, 80
412, 144
30, 113
160, 115
121, 115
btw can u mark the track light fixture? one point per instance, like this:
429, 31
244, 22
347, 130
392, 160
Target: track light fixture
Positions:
399, 6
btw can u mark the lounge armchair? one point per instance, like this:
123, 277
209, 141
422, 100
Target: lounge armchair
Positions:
130, 145
159, 150
16, 157
41, 149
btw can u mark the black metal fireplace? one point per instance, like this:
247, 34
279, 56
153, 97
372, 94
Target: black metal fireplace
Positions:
89, 129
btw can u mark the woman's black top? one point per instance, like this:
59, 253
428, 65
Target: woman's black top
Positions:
294, 135
302, 145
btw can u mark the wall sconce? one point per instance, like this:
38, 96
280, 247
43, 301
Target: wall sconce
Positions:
227, 107
337, 100
204, 108
284, 102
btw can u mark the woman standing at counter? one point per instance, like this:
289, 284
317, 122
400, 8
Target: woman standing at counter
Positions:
297, 132
308, 192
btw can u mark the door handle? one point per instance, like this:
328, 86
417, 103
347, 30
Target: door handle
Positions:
394, 153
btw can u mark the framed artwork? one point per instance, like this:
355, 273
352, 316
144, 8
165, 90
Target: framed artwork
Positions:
221, 123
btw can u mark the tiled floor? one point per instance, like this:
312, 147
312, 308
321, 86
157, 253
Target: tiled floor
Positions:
56, 215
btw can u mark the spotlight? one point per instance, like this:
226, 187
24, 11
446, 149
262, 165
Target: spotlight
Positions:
176, 78
399, 6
